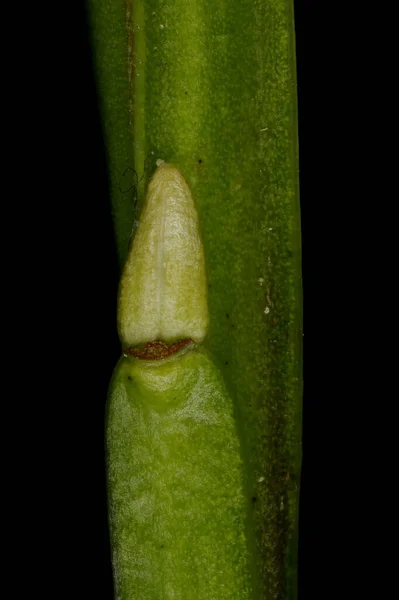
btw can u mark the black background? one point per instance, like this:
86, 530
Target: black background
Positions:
67, 344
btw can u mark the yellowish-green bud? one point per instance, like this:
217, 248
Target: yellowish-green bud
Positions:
163, 292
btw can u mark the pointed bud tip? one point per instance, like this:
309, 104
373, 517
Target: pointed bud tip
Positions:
163, 292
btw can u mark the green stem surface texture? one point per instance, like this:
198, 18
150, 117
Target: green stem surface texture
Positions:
211, 87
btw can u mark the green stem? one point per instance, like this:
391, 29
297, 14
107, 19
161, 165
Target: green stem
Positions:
216, 95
